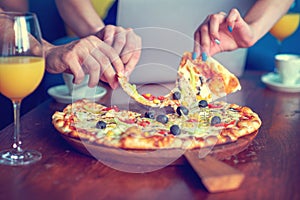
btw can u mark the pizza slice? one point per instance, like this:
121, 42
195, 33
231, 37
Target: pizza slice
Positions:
181, 94
209, 80
196, 80
146, 99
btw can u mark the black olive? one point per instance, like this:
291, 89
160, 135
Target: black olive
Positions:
162, 119
182, 110
175, 130
202, 104
150, 114
201, 80
176, 95
215, 120
101, 125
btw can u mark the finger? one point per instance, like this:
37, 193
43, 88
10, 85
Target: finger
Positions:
113, 57
197, 42
102, 78
197, 36
129, 47
92, 67
233, 17
132, 62
77, 72
85, 63
214, 24
119, 40
108, 34
109, 52
109, 75
204, 39
74, 66
107, 72
132, 50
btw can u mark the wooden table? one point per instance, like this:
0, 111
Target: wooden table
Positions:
271, 163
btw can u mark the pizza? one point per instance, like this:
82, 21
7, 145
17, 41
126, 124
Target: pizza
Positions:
197, 118
207, 81
203, 125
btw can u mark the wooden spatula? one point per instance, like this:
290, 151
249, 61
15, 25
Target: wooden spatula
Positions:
215, 175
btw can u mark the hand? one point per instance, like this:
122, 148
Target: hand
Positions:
220, 32
125, 42
88, 55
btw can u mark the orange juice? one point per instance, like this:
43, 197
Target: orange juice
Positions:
20, 75
286, 26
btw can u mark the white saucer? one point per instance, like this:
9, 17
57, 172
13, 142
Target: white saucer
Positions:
272, 80
61, 94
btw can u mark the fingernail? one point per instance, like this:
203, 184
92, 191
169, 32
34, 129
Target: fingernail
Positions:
217, 41
230, 29
114, 85
194, 55
204, 56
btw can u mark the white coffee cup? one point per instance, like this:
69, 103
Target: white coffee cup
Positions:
80, 90
288, 68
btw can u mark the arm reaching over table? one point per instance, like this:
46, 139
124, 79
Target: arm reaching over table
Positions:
14, 5
225, 32
82, 18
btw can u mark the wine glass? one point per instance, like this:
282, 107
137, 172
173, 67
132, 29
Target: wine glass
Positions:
22, 67
286, 25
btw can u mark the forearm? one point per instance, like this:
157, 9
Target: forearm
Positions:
264, 14
14, 5
80, 17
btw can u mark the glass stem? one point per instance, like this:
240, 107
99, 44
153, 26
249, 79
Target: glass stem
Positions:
279, 42
17, 142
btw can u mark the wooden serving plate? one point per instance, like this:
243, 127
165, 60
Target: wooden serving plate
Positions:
216, 176
156, 157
